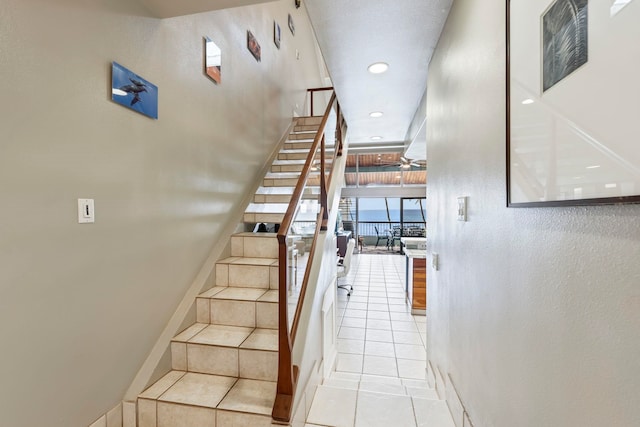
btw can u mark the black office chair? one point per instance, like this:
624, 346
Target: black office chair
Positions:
343, 269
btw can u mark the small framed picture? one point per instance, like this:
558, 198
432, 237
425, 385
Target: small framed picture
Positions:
132, 91
297, 3
291, 26
253, 46
276, 34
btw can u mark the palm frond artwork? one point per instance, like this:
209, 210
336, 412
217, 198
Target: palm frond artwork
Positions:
564, 40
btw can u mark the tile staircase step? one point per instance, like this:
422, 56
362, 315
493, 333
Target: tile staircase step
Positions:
306, 136
313, 191
287, 179
272, 198
284, 179
227, 350
297, 145
182, 399
306, 120
306, 128
279, 208
290, 165
279, 182
283, 194
297, 154
247, 272
254, 245
240, 306
330, 149
263, 217
381, 384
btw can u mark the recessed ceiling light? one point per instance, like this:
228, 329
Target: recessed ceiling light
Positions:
378, 67
376, 114
376, 138
528, 101
593, 167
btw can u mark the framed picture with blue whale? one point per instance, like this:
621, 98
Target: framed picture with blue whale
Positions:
134, 92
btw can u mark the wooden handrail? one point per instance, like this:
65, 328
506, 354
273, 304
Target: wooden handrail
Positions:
287, 372
297, 192
314, 90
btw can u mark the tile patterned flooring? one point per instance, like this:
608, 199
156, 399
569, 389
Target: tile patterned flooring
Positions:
380, 370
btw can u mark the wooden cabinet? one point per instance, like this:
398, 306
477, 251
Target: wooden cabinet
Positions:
416, 285
419, 284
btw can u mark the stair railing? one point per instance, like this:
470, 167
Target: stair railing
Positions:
307, 215
312, 91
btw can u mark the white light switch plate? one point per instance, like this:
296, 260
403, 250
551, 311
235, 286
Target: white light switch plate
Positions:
86, 212
462, 208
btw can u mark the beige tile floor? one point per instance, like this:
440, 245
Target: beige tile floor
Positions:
380, 371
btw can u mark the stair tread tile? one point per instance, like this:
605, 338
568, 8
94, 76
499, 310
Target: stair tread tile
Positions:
190, 332
199, 390
286, 190
436, 411
345, 376
162, 385
211, 292
269, 296
300, 150
221, 335
253, 396
415, 383
287, 175
267, 208
258, 235
228, 260
422, 392
254, 261
383, 388
341, 383
276, 190
379, 379
278, 162
240, 294
262, 339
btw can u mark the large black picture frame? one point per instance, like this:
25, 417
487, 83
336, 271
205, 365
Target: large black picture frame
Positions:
557, 153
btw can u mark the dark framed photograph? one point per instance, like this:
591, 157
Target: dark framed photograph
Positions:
253, 46
292, 27
564, 40
213, 60
134, 92
276, 34
571, 104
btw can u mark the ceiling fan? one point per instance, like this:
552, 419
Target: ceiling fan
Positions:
404, 163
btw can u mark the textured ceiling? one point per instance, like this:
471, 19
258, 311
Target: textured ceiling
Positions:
354, 34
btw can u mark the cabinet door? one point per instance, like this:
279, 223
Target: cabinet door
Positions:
419, 284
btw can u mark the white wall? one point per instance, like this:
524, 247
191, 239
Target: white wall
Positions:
82, 305
534, 312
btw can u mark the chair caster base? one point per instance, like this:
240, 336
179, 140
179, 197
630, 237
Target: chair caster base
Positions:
347, 288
